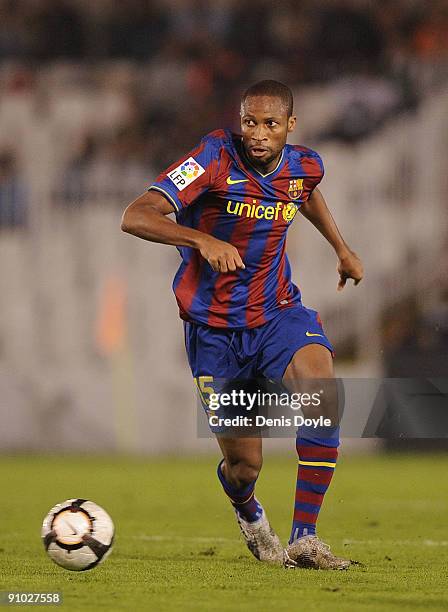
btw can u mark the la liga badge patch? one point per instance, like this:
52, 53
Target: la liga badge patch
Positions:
185, 173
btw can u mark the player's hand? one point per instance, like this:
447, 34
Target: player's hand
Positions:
221, 255
349, 266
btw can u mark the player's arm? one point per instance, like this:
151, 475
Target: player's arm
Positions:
349, 266
147, 218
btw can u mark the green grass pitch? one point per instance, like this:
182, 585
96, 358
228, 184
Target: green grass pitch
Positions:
178, 548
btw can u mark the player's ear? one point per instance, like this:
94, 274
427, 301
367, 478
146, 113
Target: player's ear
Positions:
292, 123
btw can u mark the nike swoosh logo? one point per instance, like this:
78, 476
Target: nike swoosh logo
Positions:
309, 334
230, 181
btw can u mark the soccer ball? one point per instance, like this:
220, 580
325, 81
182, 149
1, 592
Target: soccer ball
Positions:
78, 534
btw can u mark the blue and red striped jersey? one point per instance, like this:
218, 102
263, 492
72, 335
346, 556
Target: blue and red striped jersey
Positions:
216, 190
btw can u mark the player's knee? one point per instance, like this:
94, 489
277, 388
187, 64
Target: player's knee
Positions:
317, 368
242, 472
311, 361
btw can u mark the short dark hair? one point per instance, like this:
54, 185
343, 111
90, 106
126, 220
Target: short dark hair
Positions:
271, 88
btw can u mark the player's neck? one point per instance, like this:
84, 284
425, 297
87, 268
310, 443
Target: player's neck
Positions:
267, 168
264, 169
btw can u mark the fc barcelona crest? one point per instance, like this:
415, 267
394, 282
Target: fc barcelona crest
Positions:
295, 188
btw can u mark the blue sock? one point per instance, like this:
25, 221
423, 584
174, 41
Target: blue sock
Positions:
243, 500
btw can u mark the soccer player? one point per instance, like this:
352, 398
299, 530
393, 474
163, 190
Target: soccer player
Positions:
234, 197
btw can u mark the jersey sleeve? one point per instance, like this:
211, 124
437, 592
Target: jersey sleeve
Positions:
316, 171
194, 174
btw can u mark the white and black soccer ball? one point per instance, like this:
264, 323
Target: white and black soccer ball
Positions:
78, 534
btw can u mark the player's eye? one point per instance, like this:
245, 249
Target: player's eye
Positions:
249, 122
272, 123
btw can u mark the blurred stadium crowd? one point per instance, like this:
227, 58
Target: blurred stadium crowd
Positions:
131, 85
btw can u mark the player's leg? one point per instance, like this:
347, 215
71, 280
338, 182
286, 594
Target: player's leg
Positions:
216, 358
238, 472
295, 350
318, 452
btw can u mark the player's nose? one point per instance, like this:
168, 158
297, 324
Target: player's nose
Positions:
259, 133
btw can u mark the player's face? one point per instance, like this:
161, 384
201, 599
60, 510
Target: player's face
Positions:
265, 126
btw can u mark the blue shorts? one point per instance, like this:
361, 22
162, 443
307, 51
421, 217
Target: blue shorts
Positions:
261, 352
